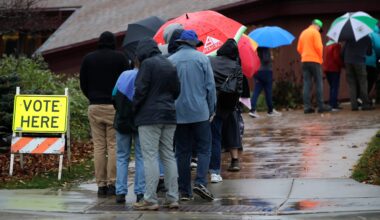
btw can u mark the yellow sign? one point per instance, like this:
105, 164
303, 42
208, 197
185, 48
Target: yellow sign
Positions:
40, 114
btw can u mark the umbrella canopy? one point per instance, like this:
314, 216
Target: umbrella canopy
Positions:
352, 26
138, 30
212, 28
250, 62
271, 36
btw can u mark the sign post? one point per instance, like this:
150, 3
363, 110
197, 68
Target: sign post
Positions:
42, 114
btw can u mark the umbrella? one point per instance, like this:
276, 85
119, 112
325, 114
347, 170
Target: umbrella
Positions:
138, 30
352, 26
250, 62
271, 36
212, 28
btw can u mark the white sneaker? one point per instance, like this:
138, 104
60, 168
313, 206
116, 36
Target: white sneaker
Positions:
254, 114
215, 178
274, 113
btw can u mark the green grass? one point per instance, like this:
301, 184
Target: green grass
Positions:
368, 167
78, 173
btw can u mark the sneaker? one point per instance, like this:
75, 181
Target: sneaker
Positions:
120, 198
216, 178
185, 197
325, 108
335, 109
274, 113
139, 197
203, 192
144, 205
254, 114
102, 191
234, 166
194, 163
308, 111
111, 190
171, 205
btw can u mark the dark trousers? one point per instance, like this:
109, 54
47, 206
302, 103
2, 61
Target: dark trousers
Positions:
263, 80
186, 136
372, 74
333, 78
357, 82
312, 70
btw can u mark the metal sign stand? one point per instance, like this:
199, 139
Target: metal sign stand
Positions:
63, 140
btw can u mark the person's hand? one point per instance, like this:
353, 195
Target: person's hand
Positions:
211, 117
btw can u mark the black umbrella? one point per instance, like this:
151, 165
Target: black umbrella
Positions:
138, 30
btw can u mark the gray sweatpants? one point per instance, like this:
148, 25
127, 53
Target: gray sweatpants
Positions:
157, 143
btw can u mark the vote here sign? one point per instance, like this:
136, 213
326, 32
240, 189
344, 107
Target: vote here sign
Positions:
40, 114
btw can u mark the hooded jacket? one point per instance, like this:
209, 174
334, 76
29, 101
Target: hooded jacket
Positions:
100, 70
156, 86
225, 64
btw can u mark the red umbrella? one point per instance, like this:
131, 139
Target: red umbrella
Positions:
212, 28
250, 62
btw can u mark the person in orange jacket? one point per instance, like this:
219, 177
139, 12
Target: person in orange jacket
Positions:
310, 48
331, 66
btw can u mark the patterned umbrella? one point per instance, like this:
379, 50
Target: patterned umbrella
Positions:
212, 28
352, 26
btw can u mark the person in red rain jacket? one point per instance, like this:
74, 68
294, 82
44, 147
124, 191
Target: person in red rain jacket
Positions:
331, 66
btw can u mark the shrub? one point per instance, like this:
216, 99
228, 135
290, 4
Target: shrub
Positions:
33, 77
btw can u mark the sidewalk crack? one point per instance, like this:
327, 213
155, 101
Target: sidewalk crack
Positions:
287, 197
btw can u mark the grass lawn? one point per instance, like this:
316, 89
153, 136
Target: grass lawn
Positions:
78, 173
368, 168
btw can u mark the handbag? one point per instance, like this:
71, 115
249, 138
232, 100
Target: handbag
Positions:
230, 85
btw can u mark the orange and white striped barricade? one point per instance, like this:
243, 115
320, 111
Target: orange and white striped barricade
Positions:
42, 114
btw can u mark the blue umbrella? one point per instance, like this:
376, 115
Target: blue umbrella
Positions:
271, 36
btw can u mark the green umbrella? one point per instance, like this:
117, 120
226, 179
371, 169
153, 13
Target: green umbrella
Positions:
352, 26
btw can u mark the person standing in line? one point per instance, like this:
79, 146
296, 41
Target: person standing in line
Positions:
263, 80
156, 88
225, 65
354, 59
310, 48
372, 65
331, 66
195, 107
98, 74
126, 131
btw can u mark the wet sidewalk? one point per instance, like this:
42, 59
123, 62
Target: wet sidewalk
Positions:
293, 167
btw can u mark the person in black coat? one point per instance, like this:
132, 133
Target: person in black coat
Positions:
225, 123
98, 74
156, 88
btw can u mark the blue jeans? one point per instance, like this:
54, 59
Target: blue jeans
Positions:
263, 80
311, 71
216, 129
188, 135
124, 142
333, 78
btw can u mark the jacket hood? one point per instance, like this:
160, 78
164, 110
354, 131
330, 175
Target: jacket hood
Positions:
146, 48
107, 40
229, 49
173, 45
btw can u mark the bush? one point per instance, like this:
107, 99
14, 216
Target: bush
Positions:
287, 90
33, 77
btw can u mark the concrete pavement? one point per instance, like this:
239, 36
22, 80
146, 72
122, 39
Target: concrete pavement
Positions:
293, 167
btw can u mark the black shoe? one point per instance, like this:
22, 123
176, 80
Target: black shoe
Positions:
111, 190
368, 108
203, 192
161, 186
139, 197
234, 166
308, 111
120, 198
324, 109
102, 191
355, 109
185, 197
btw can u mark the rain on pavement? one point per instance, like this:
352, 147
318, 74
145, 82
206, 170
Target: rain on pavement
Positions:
297, 145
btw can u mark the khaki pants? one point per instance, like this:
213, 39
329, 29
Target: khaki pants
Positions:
104, 138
